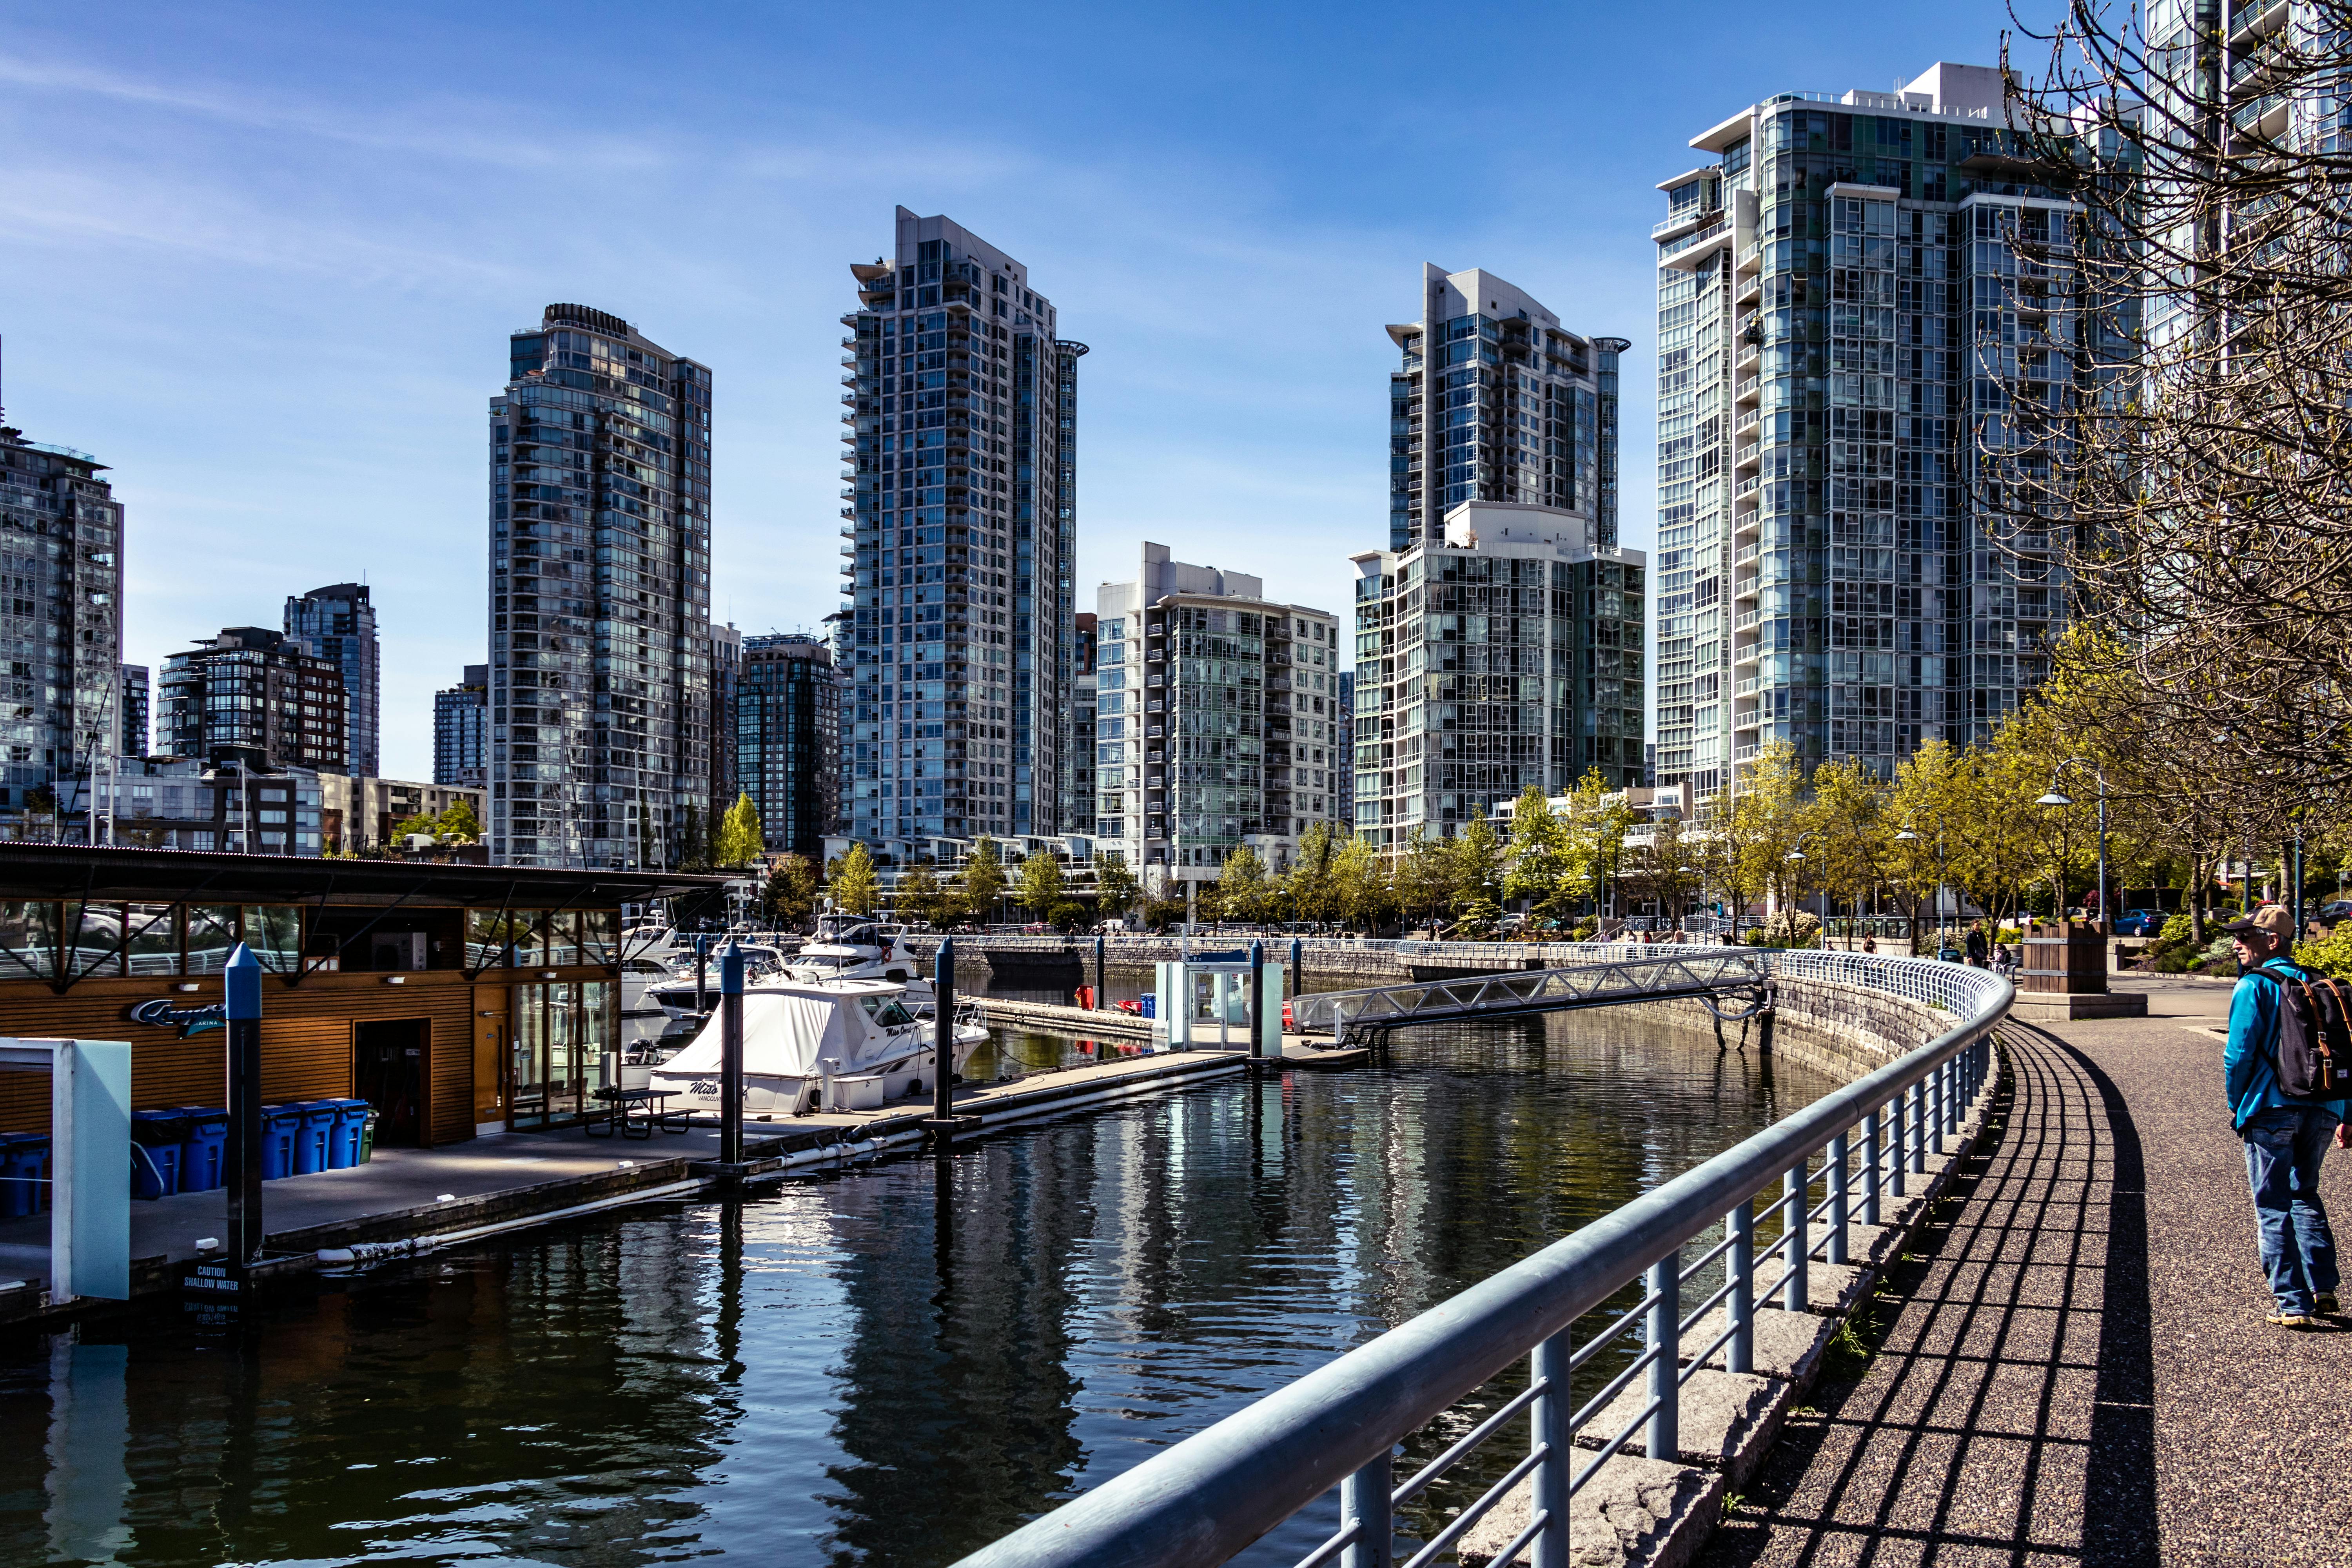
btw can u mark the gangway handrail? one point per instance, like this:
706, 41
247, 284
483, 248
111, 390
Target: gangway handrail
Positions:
1213, 1495
1651, 972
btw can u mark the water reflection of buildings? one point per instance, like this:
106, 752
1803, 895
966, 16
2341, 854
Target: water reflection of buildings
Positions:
556, 1402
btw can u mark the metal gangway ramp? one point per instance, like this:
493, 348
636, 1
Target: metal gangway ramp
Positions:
1358, 1018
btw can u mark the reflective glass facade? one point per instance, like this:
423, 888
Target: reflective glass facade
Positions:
960, 530
787, 742
1841, 307
600, 597
338, 624
60, 616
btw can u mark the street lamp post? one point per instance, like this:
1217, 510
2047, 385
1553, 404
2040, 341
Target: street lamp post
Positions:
2107, 923
1797, 856
1908, 837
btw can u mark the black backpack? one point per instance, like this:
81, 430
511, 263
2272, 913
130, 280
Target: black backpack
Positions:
2315, 1039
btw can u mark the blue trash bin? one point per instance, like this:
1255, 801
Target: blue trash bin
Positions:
343, 1144
24, 1172
203, 1155
282, 1130
157, 1137
314, 1144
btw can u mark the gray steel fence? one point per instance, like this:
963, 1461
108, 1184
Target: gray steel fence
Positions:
1215, 1494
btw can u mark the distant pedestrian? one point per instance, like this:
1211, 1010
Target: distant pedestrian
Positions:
1980, 947
2285, 1139
1870, 944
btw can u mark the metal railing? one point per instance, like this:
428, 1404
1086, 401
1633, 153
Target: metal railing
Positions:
1215, 1494
1649, 974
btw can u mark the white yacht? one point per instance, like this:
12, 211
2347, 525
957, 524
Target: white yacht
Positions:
841, 1045
853, 947
675, 996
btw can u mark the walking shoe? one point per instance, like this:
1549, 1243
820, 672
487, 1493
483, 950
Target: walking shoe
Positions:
2327, 1304
2291, 1320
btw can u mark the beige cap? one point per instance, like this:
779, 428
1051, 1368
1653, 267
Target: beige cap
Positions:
2271, 918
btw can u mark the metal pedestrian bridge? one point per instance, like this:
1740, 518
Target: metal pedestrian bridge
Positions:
1656, 974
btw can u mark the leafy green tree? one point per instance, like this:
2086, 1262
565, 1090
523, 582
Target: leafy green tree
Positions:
1476, 852
1115, 885
459, 825
741, 838
1362, 886
855, 889
1312, 885
984, 881
790, 896
1424, 874
1042, 883
1067, 916
1540, 862
1243, 891
922, 897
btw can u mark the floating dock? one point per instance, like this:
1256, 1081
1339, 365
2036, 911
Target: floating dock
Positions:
409, 1201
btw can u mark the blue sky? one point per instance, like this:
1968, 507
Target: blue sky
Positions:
263, 259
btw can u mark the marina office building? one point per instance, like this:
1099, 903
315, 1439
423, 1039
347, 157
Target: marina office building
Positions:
1216, 721
960, 409
457, 1000
1499, 638
600, 596
1848, 290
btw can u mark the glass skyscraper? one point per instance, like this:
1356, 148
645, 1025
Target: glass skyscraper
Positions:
1848, 290
61, 619
959, 542
600, 596
461, 730
787, 745
338, 624
1499, 637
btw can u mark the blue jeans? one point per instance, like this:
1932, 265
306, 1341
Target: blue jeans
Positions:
2283, 1147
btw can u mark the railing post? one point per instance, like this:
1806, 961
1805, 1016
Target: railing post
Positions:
1917, 1115
1364, 1500
1956, 1099
1739, 1355
1838, 1177
1897, 1161
1933, 1084
1871, 1125
1554, 1436
1665, 1346
1797, 1233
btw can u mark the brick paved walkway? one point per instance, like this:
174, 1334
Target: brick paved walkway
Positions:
2072, 1366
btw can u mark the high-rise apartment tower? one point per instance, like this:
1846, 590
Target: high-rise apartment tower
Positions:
962, 408
1499, 638
1214, 727
1839, 307
600, 596
338, 624
60, 618
461, 730
788, 739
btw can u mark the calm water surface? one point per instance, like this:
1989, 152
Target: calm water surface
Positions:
892, 1364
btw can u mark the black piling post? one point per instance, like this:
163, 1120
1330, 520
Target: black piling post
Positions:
1298, 967
1764, 1020
730, 1054
241, 993
701, 986
1257, 1005
1101, 1001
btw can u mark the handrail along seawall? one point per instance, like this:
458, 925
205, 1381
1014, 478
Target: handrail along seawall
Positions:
1213, 1495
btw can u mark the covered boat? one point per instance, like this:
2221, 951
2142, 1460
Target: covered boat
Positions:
857, 1037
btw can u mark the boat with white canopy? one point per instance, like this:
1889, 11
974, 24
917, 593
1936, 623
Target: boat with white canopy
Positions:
845, 1044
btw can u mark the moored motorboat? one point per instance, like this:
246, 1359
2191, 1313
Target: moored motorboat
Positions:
839, 1046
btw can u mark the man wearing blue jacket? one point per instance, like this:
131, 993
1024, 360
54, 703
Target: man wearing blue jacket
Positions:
2285, 1139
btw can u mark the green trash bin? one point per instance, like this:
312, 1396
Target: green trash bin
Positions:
367, 1137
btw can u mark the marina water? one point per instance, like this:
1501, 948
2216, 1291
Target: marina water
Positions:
892, 1363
